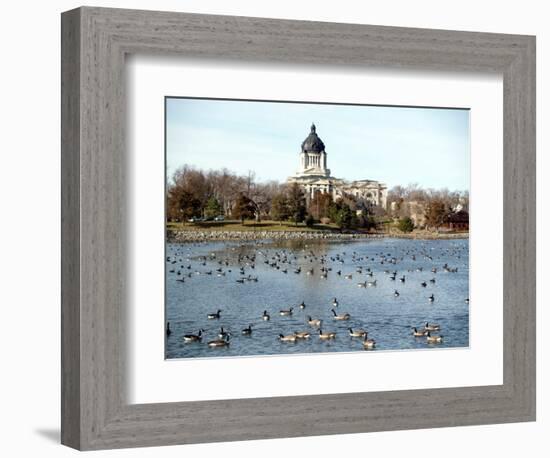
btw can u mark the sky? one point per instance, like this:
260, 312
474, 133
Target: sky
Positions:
393, 145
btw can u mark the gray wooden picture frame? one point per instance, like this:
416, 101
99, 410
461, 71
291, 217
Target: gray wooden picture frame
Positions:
95, 412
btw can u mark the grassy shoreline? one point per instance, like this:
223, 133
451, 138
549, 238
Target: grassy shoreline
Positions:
234, 230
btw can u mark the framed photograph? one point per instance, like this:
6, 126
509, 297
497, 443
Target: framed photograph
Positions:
279, 228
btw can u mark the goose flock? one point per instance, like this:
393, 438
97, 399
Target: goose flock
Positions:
411, 271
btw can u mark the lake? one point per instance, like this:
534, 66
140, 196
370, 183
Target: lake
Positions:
244, 279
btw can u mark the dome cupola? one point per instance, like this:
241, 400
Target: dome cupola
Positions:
312, 143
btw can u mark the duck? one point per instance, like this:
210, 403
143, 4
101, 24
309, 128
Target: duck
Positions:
266, 316
193, 337
369, 343
289, 338
302, 335
432, 326
286, 312
313, 322
357, 333
168, 330
342, 317
326, 335
418, 333
433, 339
431, 298
247, 331
214, 316
219, 342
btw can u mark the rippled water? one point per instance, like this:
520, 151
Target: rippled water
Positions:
387, 318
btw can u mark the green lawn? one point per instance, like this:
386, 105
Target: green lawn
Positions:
250, 226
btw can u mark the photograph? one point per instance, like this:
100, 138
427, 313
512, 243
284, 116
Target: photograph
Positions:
299, 228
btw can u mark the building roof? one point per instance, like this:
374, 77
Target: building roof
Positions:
312, 143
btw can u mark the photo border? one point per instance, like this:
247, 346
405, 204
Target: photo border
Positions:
95, 41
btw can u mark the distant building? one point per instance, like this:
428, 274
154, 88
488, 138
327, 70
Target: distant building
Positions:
458, 221
314, 176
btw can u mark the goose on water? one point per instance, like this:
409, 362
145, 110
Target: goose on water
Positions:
266, 316
313, 322
219, 342
289, 338
433, 339
193, 337
286, 312
357, 333
341, 317
214, 316
326, 335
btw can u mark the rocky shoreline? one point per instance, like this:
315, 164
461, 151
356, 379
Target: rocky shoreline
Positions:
220, 235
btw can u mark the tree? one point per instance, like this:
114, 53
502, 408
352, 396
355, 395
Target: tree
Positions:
212, 208
181, 204
280, 210
436, 213
244, 208
341, 214
405, 225
319, 205
296, 203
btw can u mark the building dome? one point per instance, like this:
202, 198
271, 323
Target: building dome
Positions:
313, 144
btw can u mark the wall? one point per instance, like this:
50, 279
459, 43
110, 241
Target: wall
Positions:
29, 186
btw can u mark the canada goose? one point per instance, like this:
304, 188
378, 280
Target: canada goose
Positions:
418, 333
302, 305
247, 331
302, 335
342, 317
326, 335
313, 322
168, 330
432, 327
223, 333
431, 298
357, 333
433, 339
219, 342
214, 316
432, 280
396, 293
288, 338
286, 312
193, 337
348, 277
362, 285
467, 300
266, 316
335, 302
402, 279
369, 343
371, 283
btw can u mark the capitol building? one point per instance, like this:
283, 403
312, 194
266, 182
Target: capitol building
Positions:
314, 176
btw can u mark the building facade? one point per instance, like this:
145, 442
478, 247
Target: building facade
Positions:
314, 176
